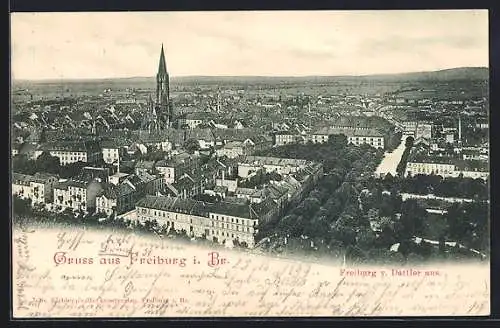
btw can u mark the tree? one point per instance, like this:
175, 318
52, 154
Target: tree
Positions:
337, 141
409, 142
365, 239
191, 145
21, 206
22, 164
355, 254
47, 163
72, 169
412, 219
343, 230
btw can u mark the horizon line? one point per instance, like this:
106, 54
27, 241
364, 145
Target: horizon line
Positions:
243, 76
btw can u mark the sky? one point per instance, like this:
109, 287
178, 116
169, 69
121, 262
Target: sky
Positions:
245, 43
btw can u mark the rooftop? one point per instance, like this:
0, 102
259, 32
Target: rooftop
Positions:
265, 160
199, 208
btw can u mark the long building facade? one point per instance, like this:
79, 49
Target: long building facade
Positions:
218, 222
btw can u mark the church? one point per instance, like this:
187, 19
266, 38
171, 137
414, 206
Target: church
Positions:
160, 109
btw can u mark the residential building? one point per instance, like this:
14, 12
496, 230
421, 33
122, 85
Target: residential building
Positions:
447, 167
249, 164
254, 196
373, 138
38, 187
193, 120
285, 138
77, 195
232, 149
219, 222
443, 169
72, 151
178, 165
117, 199
356, 137
111, 152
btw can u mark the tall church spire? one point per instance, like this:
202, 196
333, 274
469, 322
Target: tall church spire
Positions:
162, 67
162, 100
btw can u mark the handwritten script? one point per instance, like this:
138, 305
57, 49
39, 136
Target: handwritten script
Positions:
82, 273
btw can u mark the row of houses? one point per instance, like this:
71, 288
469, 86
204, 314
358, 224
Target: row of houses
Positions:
447, 167
226, 142
67, 151
168, 199
284, 166
240, 212
355, 136
114, 194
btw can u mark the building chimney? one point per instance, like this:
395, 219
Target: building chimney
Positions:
459, 129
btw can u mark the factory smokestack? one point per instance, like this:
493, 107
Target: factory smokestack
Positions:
459, 129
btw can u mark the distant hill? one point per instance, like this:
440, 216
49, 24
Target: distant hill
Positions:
462, 73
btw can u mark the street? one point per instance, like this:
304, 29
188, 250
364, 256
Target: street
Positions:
391, 160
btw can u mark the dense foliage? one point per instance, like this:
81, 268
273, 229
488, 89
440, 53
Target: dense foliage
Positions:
446, 187
350, 213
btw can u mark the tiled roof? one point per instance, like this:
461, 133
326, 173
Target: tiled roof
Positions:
262, 160
18, 178
190, 206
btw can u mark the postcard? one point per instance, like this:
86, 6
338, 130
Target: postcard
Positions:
250, 164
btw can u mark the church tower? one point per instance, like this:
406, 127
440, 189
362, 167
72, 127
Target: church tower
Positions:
163, 107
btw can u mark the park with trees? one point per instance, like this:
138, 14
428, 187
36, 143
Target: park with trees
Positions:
353, 214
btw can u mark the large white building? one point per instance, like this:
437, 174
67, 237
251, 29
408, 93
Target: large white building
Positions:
443, 169
38, 188
251, 164
76, 195
356, 137
219, 222
419, 129
72, 152
285, 138
447, 168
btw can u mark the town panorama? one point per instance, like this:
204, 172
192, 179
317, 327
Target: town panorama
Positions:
389, 168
